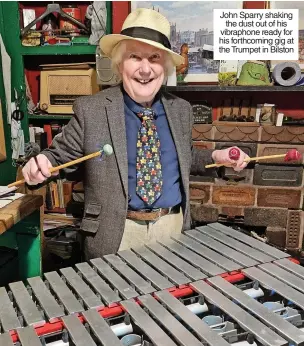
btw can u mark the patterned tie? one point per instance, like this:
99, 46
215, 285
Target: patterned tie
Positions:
148, 165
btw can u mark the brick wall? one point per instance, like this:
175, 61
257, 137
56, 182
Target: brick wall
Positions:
268, 194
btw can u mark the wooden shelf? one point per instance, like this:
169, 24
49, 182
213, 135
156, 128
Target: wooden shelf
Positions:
50, 116
214, 88
59, 50
55, 210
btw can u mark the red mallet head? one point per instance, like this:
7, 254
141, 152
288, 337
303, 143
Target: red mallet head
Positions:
234, 154
292, 155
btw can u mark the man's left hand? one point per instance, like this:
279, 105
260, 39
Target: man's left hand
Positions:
222, 157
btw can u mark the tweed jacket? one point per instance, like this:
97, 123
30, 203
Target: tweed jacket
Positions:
100, 120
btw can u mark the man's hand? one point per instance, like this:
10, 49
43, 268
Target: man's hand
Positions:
37, 170
222, 156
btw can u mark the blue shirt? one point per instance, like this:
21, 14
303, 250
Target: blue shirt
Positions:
171, 193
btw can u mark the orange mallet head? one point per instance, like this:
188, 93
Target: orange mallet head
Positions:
292, 155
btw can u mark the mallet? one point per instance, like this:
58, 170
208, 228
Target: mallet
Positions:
234, 154
107, 150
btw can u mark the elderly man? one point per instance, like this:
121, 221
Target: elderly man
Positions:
141, 192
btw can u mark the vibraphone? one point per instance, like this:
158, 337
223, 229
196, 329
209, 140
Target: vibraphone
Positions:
212, 286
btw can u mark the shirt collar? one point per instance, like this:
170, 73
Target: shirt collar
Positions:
136, 107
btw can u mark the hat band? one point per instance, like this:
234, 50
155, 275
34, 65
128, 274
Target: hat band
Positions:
148, 34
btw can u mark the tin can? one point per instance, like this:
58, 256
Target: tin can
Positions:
66, 24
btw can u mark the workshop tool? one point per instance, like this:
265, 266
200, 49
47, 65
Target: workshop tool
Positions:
18, 114
107, 150
234, 154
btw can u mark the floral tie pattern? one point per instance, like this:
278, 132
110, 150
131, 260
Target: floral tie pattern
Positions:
148, 165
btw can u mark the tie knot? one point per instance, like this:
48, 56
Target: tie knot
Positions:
146, 114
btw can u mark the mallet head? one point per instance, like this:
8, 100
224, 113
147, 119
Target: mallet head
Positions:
292, 155
234, 154
107, 149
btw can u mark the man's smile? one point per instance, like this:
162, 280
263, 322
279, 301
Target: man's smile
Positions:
143, 81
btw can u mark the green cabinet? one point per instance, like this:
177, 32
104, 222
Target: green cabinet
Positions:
20, 55
9, 24
7, 170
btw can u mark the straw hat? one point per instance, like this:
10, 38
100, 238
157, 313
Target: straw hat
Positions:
144, 25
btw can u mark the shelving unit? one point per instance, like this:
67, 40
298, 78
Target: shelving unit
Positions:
59, 50
25, 60
218, 88
49, 117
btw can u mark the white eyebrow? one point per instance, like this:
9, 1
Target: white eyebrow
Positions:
130, 51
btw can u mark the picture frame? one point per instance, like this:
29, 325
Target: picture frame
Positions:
194, 28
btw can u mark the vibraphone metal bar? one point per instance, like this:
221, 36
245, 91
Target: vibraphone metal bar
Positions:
95, 281
254, 243
28, 337
163, 267
146, 323
229, 252
177, 262
136, 280
8, 317
87, 296
63, 293
283, 275
274, 321
237, 245
30, 313
120, 285
50, 307
209, 254
291, 267
276, 285
281, 304
100, 328
263, 334
200, 329
207, 267
181, 334
165, 320
77, 331
99, 331
172, 265
6, 340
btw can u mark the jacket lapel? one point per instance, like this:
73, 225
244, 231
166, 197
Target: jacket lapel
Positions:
116, 120
173, 113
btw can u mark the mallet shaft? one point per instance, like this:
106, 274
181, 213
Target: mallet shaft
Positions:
55, 169
74, 162
257, 158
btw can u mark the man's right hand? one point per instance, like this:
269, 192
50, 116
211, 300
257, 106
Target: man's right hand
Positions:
37, 170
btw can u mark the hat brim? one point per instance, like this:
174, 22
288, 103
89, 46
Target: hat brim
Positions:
108, 42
